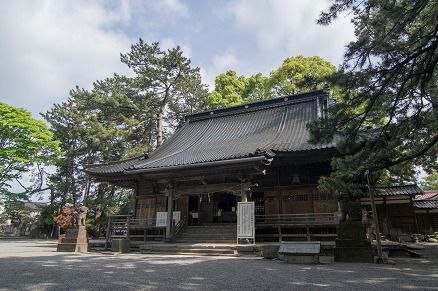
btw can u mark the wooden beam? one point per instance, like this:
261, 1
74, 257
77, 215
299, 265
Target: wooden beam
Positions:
209, 188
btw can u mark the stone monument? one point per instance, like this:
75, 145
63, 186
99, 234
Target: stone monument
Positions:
75, 239
352, 244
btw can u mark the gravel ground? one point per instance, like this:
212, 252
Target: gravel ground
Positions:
35, 265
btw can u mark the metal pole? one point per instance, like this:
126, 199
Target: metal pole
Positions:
376, 220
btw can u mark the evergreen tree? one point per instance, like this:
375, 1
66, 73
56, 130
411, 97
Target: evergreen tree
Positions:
117, 119
162, 78
387, 118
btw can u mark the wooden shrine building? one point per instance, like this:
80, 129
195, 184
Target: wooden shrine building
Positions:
255, 152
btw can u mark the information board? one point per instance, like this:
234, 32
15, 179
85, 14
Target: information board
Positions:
162, 218
245, 222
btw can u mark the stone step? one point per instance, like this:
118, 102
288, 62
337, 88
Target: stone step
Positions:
194, 235
208, 233
205, 252
210, 241
213, 250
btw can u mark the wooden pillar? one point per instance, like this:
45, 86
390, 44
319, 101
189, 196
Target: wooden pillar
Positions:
279, 196
169, 224
243, 191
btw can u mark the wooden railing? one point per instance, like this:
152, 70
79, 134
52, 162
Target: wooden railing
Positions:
298, 219
177, 228
124, 226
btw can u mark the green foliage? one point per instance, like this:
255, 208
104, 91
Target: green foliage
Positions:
45, 223
295, 75
300, 74
19, 214
166, 80
24, 142
388, 81
232, 90
120, 117
431, 182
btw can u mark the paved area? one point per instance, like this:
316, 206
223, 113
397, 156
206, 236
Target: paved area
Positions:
35, 265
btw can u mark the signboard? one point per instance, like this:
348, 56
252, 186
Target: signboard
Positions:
245, 222
162, 218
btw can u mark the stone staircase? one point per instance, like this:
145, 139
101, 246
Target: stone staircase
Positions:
210, 233
210, 240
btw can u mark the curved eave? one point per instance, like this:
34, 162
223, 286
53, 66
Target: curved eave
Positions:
188, 167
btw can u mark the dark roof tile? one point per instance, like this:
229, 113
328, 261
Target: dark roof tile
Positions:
426, 204
410, 190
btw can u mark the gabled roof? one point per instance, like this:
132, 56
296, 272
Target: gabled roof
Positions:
410, 190
232, 135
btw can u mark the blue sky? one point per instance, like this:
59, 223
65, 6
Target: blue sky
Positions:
50, 46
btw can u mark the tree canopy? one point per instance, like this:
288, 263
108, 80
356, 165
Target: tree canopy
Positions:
387, 118
232, 90
431, 182
120, 117
163, 78
295, 75
24, 143
300, 74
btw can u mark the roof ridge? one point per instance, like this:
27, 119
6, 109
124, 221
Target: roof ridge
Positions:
397, 186
258, 105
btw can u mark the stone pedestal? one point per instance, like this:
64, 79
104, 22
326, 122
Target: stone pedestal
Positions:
352, 244
75, 240
270, 251
121, 245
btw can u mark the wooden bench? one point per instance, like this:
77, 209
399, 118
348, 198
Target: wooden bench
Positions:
300, 252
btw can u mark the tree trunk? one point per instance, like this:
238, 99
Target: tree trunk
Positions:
160, 128
160, 117
98, 211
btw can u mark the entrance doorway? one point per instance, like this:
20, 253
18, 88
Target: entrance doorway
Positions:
227, 205
213, 208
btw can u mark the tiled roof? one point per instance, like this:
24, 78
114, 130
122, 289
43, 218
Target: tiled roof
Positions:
410, 190
241, 132
429, 200
433, 194
426, 204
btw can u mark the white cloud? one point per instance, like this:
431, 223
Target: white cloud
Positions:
170, 43
171, 7
226, 61
290, 27
220, 64
50, 46
53, 46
